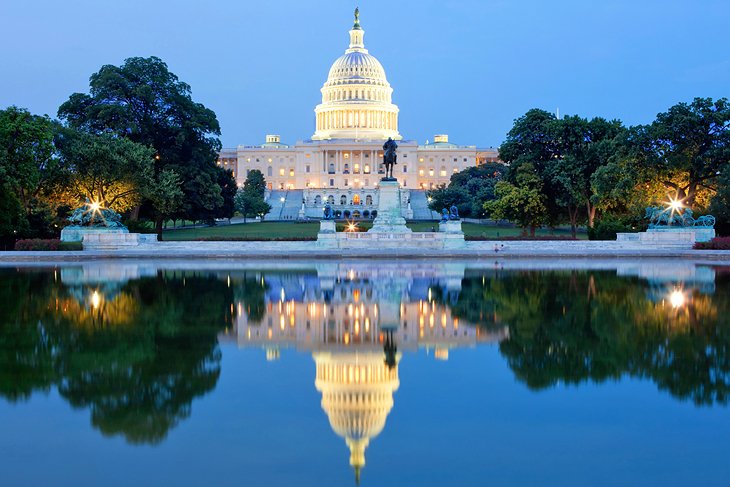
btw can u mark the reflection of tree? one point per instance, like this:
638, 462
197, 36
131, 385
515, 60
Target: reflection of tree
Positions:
577, 326
137, 373
250, 289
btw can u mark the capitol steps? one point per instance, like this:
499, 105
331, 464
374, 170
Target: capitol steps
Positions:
419, 205
285, 204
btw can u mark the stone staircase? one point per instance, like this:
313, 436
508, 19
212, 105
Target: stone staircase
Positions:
419, 205
288, 209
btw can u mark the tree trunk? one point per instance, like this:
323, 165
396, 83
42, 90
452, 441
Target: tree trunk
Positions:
134, 214
591, 214
532, 230
158, 226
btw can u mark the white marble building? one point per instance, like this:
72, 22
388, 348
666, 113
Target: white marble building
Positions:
356, 116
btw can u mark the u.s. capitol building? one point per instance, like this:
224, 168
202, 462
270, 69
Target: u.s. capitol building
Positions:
341, 163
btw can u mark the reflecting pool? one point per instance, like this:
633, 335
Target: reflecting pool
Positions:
378, 373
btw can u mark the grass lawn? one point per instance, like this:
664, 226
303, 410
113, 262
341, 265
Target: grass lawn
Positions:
283, 230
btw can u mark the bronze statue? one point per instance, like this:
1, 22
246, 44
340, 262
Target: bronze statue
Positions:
389, 158
328, 213
454, 213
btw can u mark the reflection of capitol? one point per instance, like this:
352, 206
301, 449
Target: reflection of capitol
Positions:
356, 323
357, 395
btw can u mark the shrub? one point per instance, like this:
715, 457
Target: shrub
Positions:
37, 244
607, 228
717, 243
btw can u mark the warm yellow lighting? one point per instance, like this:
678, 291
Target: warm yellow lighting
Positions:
95, 206
677, 298
352, 227
95, 300
675, 204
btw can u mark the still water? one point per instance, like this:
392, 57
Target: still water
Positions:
405, 373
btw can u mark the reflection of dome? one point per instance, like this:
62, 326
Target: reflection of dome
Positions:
356, 98
357, 395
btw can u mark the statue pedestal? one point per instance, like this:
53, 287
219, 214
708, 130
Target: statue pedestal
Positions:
701, 234
75, 233
327, 236
389, 219
454, 236
450, 226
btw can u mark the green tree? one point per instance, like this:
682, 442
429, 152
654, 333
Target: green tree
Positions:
533, 141
686, 147
249, 201
468, 190
720, 206
523, 202
29, 173
585, 146
143, 101
105, 168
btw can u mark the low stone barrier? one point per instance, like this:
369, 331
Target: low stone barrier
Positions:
110, 241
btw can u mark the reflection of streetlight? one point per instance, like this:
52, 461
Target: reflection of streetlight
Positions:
677, 298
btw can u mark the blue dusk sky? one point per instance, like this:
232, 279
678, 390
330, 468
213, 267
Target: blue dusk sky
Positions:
466, 68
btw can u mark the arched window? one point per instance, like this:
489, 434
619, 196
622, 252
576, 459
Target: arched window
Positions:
269, 171
369, 200
356, 199
317, 200
356, 214
331, 199
331, 169
343, 200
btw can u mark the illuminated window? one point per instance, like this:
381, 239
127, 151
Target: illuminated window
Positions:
420, 172
367, 167
291, 172
281, 171
456, 170
420, 159
443, 171
357, 167
347, 155
430, 172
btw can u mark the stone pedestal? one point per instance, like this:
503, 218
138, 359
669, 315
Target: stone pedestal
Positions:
701, 234
450, 226
389, 219
327, 236
75, 233
454, 236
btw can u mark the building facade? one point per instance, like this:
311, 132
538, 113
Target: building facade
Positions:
356, 116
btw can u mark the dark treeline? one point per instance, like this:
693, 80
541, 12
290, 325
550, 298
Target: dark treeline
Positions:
601, 174
136, 143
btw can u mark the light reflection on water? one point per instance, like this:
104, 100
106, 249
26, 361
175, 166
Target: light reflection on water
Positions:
136, 344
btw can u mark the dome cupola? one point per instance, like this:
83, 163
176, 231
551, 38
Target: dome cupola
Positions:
356, 98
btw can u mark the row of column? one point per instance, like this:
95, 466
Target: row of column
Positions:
340, 161
357, 118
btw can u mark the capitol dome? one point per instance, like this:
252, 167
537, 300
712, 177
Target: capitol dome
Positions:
356, 98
